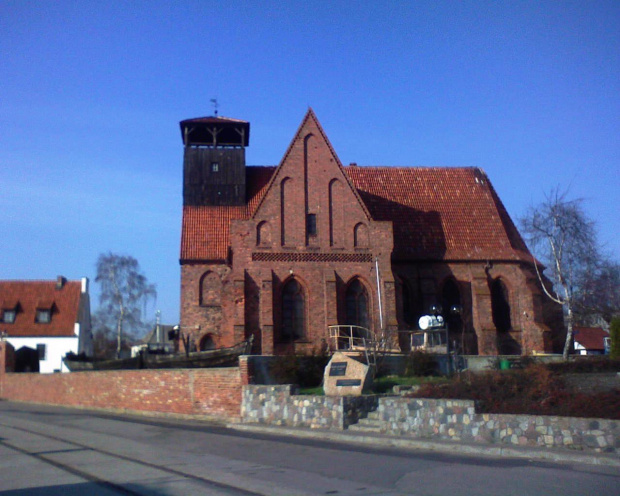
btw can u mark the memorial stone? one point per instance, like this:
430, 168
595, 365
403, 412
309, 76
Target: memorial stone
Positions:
344, 376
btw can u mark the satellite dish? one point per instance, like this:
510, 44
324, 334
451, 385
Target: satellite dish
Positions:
430, 322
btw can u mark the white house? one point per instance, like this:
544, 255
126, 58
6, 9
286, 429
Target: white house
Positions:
44, 320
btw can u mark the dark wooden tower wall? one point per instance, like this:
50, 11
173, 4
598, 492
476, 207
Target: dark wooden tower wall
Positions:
214, 176
214, 161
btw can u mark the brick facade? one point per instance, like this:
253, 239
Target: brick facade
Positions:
328, 227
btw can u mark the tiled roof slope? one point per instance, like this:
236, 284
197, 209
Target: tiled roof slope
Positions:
438, 213
30, 295
205, 233
591, 338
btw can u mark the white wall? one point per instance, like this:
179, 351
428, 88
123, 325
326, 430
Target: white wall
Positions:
55, 349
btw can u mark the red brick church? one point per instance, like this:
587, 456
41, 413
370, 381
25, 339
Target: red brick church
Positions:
283, 252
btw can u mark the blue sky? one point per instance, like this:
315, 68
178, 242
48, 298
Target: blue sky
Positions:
91, 94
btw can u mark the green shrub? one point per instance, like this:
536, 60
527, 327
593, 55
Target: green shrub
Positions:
614, 331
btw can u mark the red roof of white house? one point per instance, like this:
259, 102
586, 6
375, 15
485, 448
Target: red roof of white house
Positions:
591, 338
26, 297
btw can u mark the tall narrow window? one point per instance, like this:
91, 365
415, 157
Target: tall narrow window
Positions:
42, 352
293, 312
311, 224
356, 302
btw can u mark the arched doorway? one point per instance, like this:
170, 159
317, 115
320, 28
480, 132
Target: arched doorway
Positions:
206, 343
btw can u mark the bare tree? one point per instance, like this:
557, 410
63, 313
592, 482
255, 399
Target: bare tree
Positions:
599, 300
559, 232
125, 292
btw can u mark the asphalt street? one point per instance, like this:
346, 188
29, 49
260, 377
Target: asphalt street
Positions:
58, 451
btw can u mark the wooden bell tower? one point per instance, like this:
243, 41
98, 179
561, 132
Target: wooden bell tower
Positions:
214, 160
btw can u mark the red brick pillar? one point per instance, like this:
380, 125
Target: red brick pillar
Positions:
483, 315
246, 370
331, 302
7, 357
239, 302
266, 315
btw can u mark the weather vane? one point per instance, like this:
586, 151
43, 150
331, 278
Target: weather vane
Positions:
215, 105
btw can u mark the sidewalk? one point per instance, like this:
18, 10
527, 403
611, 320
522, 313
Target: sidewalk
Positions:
384, 441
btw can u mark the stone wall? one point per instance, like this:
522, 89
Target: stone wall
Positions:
279, 405
449, 420
457, 420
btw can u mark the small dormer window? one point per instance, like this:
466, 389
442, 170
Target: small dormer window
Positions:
8, 316
215, 166
44, 316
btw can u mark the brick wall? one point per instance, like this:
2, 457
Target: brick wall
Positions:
211, 393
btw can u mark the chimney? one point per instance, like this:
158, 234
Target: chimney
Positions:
60, 282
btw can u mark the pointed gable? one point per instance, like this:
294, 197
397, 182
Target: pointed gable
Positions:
310, 200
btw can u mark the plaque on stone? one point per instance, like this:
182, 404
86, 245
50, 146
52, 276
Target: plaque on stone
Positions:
344, 375
338, 369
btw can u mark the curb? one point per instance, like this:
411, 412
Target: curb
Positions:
436, 446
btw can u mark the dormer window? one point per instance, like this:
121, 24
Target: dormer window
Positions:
8, 316
44, 314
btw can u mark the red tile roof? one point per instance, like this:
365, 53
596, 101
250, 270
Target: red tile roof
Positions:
437, 214
591, 338
28, 296
205, 233
440, 213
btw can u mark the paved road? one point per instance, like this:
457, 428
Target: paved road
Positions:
56, 451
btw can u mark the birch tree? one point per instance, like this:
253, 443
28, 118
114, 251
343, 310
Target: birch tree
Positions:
564, 238
124, 294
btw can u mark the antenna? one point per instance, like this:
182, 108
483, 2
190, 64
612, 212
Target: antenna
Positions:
215, 105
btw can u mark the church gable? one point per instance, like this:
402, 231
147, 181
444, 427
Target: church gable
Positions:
310, 202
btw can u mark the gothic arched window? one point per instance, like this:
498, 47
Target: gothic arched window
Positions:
293, 311
356, 302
